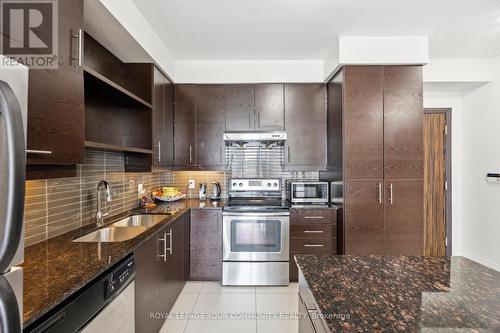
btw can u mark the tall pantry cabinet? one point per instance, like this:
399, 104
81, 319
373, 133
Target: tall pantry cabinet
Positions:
375, 147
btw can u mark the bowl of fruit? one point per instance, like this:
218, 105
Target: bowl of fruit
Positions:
168, 194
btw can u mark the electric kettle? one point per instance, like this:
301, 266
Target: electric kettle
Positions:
216, 191
202, 193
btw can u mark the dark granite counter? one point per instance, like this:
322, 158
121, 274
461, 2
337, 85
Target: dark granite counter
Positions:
403, 294
57, 268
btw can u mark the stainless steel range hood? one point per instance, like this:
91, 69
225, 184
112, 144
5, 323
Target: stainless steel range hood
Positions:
251, 138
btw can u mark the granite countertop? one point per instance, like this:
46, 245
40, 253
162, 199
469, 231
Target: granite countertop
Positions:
56, 268
403, 294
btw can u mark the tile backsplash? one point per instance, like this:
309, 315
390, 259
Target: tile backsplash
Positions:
56, 206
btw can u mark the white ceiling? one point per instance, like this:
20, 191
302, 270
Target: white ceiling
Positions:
307, 29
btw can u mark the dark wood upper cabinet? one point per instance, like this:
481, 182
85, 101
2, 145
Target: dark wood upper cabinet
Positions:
240, 108
184, 125
403, 119
364, 122
305, 124
404, 214
56, 101
163, 122
269, 107
210, 114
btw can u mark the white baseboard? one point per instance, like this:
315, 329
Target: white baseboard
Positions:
481, 260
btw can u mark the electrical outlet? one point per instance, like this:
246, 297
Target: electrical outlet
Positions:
191, 184
140, 189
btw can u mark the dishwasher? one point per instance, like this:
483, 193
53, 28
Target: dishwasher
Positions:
104, 305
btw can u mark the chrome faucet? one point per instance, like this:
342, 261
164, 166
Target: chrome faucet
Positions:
100, 215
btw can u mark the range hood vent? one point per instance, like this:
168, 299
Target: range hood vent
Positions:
263, 139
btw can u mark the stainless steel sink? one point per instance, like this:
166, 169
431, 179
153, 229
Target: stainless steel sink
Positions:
140, 221
112, 234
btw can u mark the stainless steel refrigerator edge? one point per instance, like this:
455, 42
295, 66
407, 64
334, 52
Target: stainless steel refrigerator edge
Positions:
13, 119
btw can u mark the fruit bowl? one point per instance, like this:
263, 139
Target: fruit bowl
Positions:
170, 199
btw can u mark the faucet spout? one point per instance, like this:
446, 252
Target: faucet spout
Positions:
100, 215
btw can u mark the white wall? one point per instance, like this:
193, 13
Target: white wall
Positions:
453, 101
481, 153
240, 71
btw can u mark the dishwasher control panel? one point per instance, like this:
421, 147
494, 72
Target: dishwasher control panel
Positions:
119, 277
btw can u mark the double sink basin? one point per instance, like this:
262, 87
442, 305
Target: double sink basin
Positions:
122, 230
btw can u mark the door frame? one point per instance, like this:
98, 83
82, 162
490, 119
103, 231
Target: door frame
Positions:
448, 193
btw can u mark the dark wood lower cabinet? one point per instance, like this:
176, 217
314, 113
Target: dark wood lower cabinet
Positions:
312, 231
206, 245
160, 274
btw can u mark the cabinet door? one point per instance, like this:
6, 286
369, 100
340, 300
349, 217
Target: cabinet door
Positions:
206, 245
159, 134
364, 122
184, 143
69, 41
305, 124
210, 113
403, 122
404, 217
174, 268
56, 122
364, 217
269, 107
151, 292
239, 108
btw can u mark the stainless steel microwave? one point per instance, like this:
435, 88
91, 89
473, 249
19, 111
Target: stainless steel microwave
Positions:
308, 192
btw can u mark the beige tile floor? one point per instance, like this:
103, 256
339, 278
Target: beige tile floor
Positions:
214, 308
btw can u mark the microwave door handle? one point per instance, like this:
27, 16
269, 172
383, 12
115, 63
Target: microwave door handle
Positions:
10, 318
12, 182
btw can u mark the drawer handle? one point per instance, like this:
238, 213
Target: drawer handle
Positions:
313, 217
39, 152
313, 231
313, 245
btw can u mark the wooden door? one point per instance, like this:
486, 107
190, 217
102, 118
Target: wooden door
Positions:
174, 268
210, 114
305, 124
168, 122
151, 292
240, 108
403, 122
159, 134
56, 122
269, 107
404, 217
364, 122
206, 245
364, 217
185, 117
434, 184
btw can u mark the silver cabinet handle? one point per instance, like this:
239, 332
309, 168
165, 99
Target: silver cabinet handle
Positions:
258, 119
390, 194
190, 154
379, 186
249, 121
288, 154
39, 152
221, 153
159, 151
171, 239
313, 245
313, 217
164, 240
78, 37
313, 231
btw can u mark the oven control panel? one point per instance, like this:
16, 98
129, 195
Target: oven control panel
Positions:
245, 184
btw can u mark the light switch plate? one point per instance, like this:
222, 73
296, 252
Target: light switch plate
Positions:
140, 189
191, 184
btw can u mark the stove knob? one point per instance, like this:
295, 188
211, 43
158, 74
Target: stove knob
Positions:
268, 184
234, 184
241, 184
275, 184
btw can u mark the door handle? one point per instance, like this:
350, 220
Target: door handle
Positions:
164, 240
288, 148
391, 192
258, 119
221, 154
379, 186
78, 37
313, 217
313, 245
39, 152
14, 182
249, 121
171, 239
313, 231
10, 320
190, 154
159, 151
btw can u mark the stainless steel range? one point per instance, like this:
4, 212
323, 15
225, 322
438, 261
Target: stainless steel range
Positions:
255, 234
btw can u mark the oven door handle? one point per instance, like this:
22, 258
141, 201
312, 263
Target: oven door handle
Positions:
253, 214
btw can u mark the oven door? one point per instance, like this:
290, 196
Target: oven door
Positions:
256, 236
